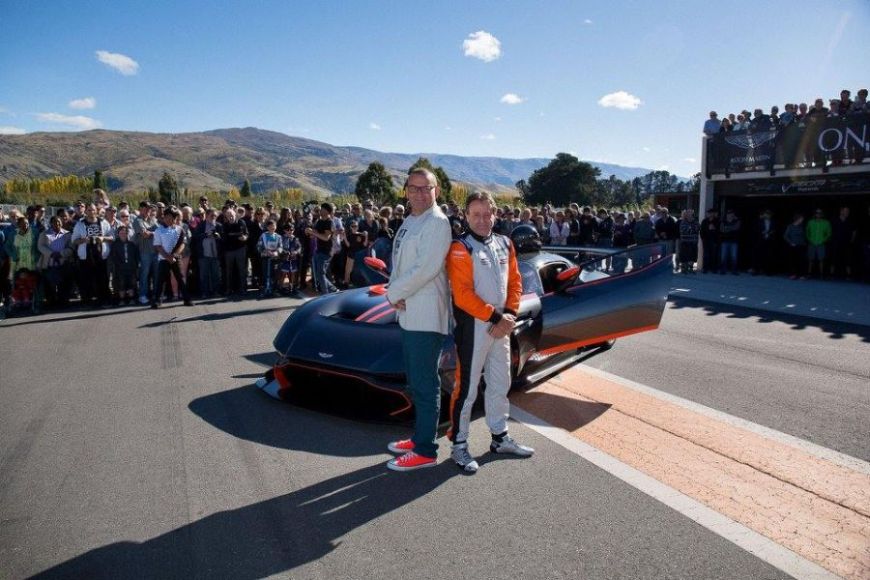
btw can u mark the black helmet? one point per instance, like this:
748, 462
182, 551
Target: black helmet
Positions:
526, 239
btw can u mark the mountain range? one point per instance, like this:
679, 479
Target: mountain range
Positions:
222, 159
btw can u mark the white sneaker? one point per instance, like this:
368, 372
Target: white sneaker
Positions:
508, 445
143, 300
463, 458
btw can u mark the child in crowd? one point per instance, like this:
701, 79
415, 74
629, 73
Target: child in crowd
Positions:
291, 250
124, 260
268, 246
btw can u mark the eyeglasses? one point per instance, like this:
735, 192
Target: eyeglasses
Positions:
420, 188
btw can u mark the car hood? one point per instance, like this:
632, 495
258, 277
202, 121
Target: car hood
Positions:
356, 330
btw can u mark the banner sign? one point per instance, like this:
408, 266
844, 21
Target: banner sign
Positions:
839, 184
810, 140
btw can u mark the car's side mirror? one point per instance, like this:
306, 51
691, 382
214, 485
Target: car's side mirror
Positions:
375, 263
567, 278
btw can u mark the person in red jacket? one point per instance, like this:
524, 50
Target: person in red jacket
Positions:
486, 286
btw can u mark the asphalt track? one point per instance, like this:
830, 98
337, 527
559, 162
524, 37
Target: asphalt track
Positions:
132, 445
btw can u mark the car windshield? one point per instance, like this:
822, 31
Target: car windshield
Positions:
531, 280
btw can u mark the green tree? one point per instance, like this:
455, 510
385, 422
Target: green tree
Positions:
376, 184
443, 180
245, 191
167, 188
421, 162
694, 183
100, 180
564, 180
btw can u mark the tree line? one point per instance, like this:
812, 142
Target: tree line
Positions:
562, 181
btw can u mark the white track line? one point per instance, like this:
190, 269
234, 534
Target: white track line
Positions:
761, 547
836, 457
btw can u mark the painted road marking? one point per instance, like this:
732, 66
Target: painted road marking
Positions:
751, 541
812, 507
821, 452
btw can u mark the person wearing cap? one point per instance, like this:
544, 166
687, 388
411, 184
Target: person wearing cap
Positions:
78, 212
144, 227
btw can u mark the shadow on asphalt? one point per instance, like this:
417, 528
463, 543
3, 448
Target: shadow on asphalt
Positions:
266, 538
835, 330
70, 314
249, 414
266, 359
215, 316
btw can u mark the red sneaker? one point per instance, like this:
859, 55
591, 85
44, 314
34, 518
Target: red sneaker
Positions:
411, 461
402, 447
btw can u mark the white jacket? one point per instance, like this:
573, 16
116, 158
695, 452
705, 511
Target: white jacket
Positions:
80, 231
418, 277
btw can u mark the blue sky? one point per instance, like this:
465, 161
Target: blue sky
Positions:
400, 76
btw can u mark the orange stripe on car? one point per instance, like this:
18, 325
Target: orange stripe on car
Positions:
594, 340
380, 315
372, 310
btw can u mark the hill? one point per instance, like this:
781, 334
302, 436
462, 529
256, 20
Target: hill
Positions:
221, 159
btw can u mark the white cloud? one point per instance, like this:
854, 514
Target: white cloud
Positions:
374, 126
86, 103
690, 160
620, 100
482, 45
11, 131
448, 128
488, 137
512, 99
587, 21
497, 119
663, 168
120, 62
646, 148
78, 121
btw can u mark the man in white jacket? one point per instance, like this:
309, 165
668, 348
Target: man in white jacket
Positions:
418, 289
91, 237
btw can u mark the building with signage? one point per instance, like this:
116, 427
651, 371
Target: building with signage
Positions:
818, 162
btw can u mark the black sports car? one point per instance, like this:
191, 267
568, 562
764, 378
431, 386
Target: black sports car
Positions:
345, 348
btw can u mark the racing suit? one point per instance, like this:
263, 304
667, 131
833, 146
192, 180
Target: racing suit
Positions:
485, 282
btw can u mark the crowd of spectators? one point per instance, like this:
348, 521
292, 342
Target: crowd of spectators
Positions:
758, 120
109, 256
802, 246
797, 132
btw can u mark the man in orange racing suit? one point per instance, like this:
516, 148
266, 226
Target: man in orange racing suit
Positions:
486, 286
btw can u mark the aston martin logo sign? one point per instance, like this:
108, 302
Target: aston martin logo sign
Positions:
750, 141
